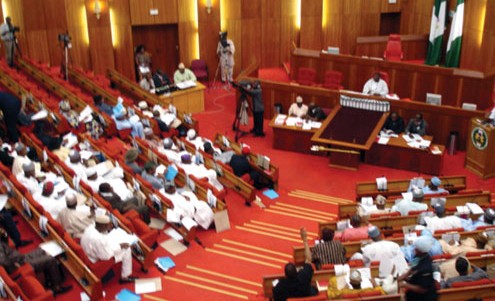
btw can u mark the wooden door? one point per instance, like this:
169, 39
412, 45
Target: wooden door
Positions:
162, 42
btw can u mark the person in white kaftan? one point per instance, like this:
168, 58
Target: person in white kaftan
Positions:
99, 244
405, 205
225, 52
74, 163
75, 220
388, 253
28, 179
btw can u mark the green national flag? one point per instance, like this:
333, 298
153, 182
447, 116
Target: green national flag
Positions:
436, 32
455, 39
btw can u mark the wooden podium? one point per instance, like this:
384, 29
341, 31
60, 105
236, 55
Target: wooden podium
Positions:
480, 157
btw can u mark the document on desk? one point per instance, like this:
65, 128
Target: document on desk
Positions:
280, 119
186, 84
315, 124
291, 121
424, 143
383, 140
306, 126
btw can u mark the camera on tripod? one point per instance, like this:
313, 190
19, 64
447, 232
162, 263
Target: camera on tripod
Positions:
223, 39
64, 37
15, 29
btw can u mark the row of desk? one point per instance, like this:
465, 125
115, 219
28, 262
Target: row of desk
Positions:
395, 154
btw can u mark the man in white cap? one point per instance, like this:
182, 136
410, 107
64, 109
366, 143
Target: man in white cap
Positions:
192, 136
28, 178
98, 243
377, 208
298, 109
434, 187
416, 204
388, 253
225, 52
74, 220
183, 74
74, 163
48, 199
21, 159
418, 280
93, 179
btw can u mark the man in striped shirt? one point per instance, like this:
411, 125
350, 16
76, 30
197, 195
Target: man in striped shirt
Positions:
328, 251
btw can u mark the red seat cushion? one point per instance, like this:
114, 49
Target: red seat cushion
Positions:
471, 283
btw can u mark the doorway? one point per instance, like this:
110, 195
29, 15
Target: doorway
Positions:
162, 42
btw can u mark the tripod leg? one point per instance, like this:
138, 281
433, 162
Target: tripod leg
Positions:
216, 74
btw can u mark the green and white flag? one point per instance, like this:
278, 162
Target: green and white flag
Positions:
455, 39
436, 32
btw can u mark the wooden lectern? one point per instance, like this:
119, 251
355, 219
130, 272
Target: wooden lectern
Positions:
480, 157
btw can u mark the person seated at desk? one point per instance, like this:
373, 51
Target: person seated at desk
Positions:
357, 232
417, 125
434, 187
160, 79
183, 74
376, 86
298, 109
405, 205
354, 286
328, 251
315, 112
147, 83
394, 123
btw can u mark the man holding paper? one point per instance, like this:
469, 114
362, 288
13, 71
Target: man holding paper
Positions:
100, 243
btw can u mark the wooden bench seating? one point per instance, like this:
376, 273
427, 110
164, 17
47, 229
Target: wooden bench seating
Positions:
90, 283
138, 94
147, 259
271, 174
395, 187
227, 176
445, 294
481, 198
63, 92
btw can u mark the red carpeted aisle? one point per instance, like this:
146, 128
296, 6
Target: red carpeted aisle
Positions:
230, 265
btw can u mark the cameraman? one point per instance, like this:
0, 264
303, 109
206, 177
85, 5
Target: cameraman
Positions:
7, 32
225, 52
258, 108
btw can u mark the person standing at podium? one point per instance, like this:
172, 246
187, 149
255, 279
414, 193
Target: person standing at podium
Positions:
376, 86
298, 109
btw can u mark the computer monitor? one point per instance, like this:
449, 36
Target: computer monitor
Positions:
469, 106
333, 50
434, 99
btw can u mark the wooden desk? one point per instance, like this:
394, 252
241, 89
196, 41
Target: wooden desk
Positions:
190, 100
292, 138
405, 79
397, 154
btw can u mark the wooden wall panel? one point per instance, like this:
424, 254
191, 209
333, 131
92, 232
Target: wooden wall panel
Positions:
56, 23
288, 31
488, 45
311, 18
387, 7
140, 12
271, 13
473, 30
188, 31
77, 26
124, 47
36, 43
100, 38
251, 32
167, 11
416, 16
209, 27
233, 25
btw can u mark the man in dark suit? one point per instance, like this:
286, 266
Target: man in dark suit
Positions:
394, 123
10, 107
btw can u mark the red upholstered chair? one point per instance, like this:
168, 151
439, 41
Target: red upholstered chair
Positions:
393, 50
471, 283
306, 76
145, 233
200, 70
384, 76
333, 80
99, 268
33, 289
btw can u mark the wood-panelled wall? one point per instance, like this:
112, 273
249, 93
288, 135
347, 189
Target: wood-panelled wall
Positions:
262, 30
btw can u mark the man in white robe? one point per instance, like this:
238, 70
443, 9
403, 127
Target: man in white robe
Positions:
376, 86
21, 159
388, 253
405, 205
170, 151
28, 179
99, 243
47, 199
199, 171
73, 219
74, 163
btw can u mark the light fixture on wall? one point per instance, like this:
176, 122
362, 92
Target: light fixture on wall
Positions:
97, 9
209, 6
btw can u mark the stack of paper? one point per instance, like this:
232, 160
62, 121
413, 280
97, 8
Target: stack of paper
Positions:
315, 124
291, 121
383, 140
280, 119
52, 248
474, 208
381, 183
186, 84
451, 236
164, 263
148, 285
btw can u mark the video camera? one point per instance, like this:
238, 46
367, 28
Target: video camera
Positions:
64, 37
223, 38
15, 29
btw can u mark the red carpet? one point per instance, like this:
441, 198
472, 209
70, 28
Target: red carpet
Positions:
260, 241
